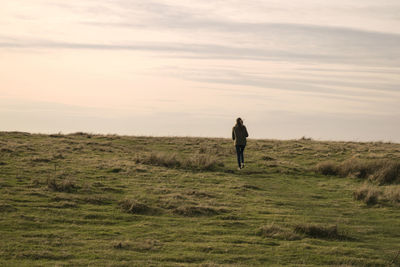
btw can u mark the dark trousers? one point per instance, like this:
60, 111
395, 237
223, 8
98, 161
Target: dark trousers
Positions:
239, 152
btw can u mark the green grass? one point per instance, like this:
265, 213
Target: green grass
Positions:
107, 200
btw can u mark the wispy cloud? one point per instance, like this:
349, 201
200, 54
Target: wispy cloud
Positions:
306, 43
204, 32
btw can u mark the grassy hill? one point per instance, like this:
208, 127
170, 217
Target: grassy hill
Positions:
107, 200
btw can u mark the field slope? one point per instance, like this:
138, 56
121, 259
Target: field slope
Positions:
107, 200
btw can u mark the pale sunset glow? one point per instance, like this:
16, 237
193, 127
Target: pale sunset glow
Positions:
323, 69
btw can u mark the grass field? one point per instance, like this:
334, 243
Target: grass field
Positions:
107, 200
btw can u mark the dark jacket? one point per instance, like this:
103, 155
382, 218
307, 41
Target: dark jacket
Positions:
239, 134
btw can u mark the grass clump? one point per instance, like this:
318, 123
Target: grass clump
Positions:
372, 195
96, 200
392, 193
267, 158
171, 160
327, 168
368, 194
192, 211
202, 162
318, 231
7, 208
161, 159
140, 245
66, 185
135, 207
388, 172
116, 170
274, 231
81, 134
40, 160
379, 171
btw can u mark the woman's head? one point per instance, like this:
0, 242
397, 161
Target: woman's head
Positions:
239, 121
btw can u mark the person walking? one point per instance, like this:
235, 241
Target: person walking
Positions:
239, 134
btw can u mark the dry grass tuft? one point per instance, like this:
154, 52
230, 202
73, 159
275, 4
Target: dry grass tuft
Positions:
66, 185
318, 231
392, 193
327, 168
200, 194
368, 194
202, 162
135, 207
171, 160
250, 186
267, 158
96, 200
82, 134
116, 170
6, 150
146, 245
142, 245
389, 172
7, 208
275, 231
161, 159
380, 171
45, 160
191, 211
57, 135
371, 194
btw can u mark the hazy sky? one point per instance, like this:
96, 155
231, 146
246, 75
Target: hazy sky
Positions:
322, 69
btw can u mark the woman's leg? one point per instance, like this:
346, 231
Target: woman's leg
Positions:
238, 153
242, 154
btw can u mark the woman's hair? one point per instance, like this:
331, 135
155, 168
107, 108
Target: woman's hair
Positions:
239, 121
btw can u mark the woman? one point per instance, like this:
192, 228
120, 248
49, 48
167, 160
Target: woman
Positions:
239, 134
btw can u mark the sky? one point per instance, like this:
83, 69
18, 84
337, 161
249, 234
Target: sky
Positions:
328, 70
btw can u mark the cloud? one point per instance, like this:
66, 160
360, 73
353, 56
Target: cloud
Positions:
343, 59
203, 31
299, 43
